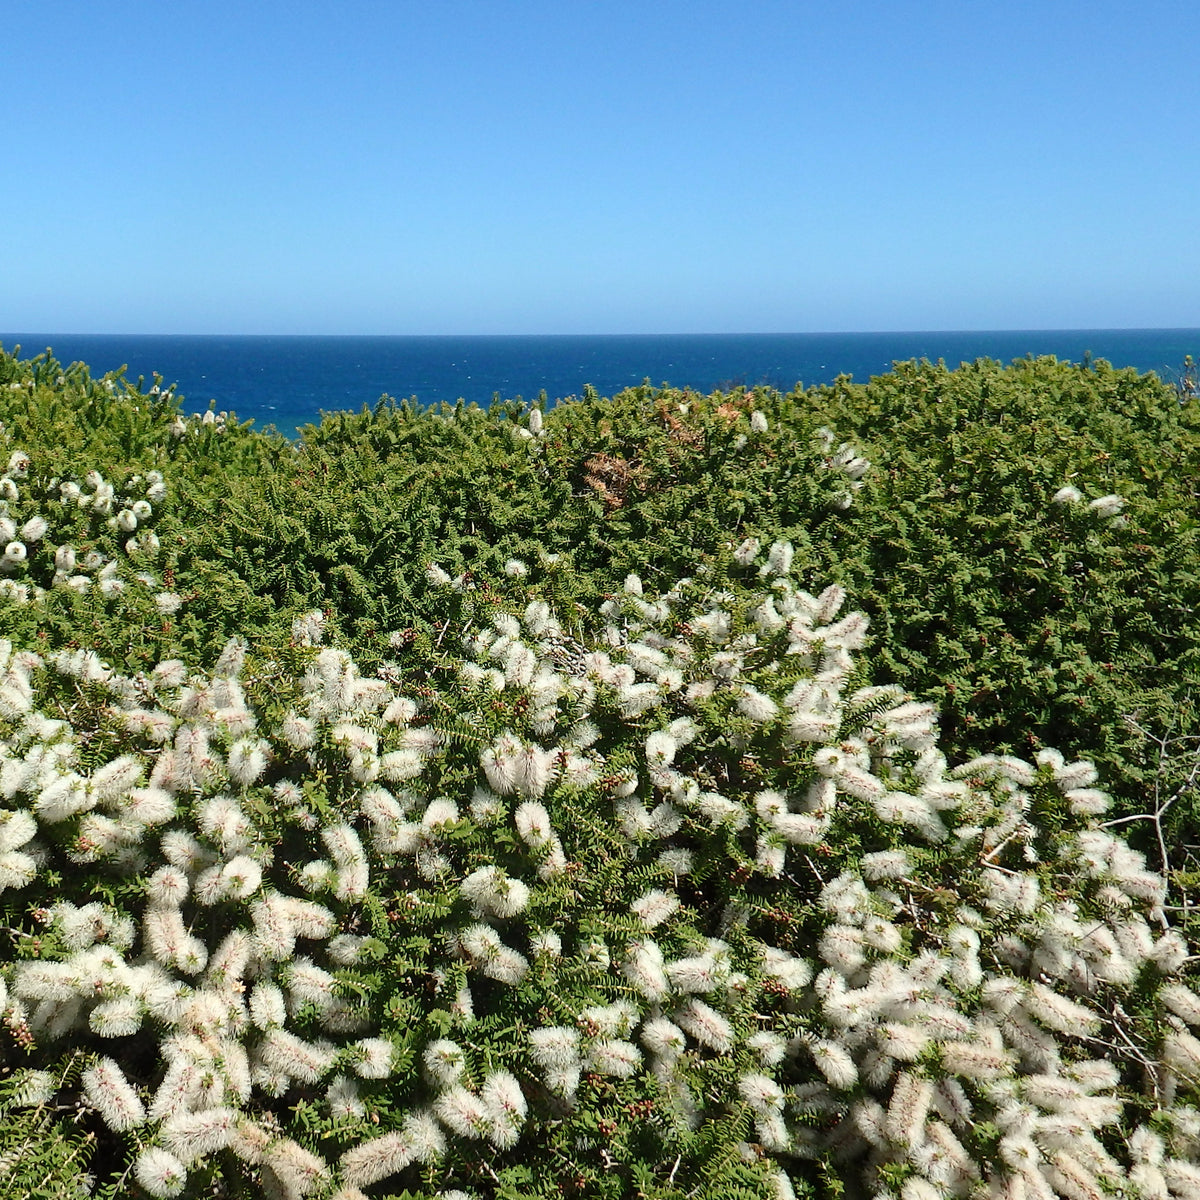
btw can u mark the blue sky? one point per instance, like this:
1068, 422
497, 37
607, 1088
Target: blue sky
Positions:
460, 166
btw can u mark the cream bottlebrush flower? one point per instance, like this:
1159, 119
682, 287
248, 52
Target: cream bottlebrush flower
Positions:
501, 763
119, 1017
860, 784
1058, 1012
462, 1112
346, 949
298, 732
1013, 893
608, 1020
160, 1173
17, 869
554, 1047
614, 1057
240, 877
486, 808
168, 940
769, 1046
886, 864
663, 1038
1067, 495
247, 760
835, 1063
343, 845
268, 1008
377, 1057
274, 930
908, 1108
419, 1140
32, 1089
1182, 1001
400, 711
463, 1006
779, 560
64, 797
706, 1025
444, 1062
488, 954
293, 1056
506, 1108
309, 984
439, 813
718, 810
644, 969
660, 754
882, 935
536, 769
1182, 1178
149, 805
546, 942
794, 973
664, 821
377, 1158
425, 1136
533, 825
761, 1092
841, 947
116, 777
296, 1170
507, 967
112, 1096
343, 1099
1106, 506
198, 1135
318, 875
34, 529
16, 828
697, 973
746, 552
1088, 802
492, 892
1081, 774
309, 919
222, 820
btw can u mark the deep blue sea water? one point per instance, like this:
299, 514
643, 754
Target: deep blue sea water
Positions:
288, 381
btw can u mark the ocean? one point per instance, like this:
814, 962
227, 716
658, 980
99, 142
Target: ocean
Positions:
288, 381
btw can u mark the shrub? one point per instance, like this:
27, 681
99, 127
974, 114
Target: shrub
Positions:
660, 901
493, 875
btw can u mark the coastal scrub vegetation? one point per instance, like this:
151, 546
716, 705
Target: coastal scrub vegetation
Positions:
664, 795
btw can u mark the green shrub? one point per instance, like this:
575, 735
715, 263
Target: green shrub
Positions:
493, 874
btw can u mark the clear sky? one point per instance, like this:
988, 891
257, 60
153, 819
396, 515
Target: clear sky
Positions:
553, 166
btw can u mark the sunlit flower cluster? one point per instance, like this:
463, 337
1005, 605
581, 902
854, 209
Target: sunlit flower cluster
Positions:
897, 955
52, 532
845, 461
1106, 508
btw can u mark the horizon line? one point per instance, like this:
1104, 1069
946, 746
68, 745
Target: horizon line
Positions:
602, 334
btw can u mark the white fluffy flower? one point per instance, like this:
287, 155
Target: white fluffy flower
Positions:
1106, 506
1066, 495
654, 907
505, 1105
492, 892
160, 1172
706, 1025
112, 1095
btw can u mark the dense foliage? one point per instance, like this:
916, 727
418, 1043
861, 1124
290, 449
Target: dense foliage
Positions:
434, 856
